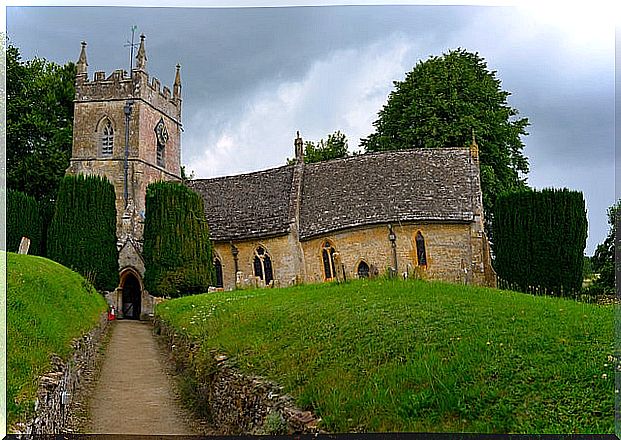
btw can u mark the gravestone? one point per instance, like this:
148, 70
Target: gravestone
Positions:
24, 245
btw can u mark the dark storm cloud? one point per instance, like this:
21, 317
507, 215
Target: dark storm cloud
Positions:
252, 76
225, 52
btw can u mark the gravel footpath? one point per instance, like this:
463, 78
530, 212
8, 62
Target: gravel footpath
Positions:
133, 391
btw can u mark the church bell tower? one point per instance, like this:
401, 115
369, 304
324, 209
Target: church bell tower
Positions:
127, 128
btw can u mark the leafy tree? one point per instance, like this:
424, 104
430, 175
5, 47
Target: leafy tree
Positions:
604, 258
39, 123
184, 174
334, 147
441, 103
587, 271
82, 235
177, 249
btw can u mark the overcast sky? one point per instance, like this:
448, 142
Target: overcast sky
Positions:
252, 77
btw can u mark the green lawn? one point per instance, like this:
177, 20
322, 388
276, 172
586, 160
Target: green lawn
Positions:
417, 356
48, 306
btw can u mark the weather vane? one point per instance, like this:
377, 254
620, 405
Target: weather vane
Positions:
131, 45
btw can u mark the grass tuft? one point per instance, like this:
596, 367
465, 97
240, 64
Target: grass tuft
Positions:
48, 306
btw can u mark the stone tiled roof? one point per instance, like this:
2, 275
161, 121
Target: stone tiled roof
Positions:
410, 185
247, 205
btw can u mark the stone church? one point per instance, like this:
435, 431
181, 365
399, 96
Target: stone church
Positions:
415, 213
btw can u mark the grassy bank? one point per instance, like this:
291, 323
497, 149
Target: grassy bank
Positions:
417, 356
48, 306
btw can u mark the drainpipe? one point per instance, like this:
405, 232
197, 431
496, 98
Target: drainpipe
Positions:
128, 112
393, 244
235, 253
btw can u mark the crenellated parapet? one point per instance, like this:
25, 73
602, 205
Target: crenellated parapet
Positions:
119, 85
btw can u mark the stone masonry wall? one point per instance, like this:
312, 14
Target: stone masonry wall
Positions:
149, 117
281, 250
236, 403
58, 387
448, 249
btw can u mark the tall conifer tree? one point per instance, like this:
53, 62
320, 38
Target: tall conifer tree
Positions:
539, 240
82, 235
177, 249
23, 219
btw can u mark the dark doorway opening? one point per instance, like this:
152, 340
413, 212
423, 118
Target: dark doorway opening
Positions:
217, 264
131, 297
363, 270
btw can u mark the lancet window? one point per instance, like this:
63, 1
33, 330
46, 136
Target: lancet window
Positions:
263, 265
327, 255
161, 136
421, 253
107, 139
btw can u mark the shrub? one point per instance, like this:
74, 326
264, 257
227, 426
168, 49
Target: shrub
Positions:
539, 240
177, 250
82, 235
23, 219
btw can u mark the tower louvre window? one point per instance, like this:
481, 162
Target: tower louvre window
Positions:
160, 155
107, 139
161, 135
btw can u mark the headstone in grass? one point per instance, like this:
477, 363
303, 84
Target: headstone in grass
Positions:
24, 246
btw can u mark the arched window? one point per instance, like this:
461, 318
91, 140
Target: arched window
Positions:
217, 264
421, 254
263, 265
327, 255
363, 270
161, 135
107, 139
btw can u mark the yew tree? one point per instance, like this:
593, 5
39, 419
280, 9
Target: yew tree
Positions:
441, 103
82, 233
177, 249
539, 240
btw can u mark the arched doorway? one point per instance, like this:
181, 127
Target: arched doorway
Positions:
217, 264
363, 270
132, 296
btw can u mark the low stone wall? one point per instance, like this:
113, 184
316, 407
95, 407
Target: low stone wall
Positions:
58, 387
236, 403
